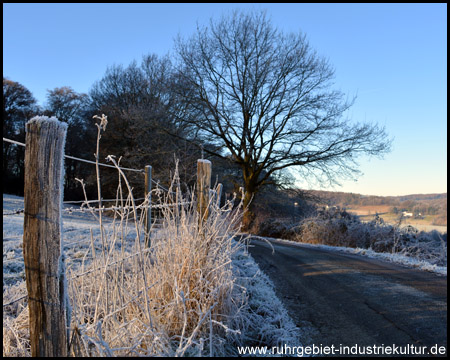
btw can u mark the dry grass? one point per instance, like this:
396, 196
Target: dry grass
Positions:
179, 297
172, 299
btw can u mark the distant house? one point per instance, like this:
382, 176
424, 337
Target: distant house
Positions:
407, 214
332, 208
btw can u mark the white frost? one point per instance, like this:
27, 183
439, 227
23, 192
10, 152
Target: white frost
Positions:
46, 119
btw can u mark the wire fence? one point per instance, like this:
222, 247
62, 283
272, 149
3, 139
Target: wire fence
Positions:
143, 206
71, 210
187, 203
79, 159
142, 171
48, 290
105, 209
87, 202
102, 267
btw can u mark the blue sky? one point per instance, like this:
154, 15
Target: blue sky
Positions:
393, 56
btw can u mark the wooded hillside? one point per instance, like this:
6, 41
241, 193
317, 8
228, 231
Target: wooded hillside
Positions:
425, 204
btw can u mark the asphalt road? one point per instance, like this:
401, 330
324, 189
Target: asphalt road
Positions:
349, 300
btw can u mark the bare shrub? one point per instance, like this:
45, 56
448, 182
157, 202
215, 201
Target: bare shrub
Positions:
339, 228
174, 298
274, 228
186, 299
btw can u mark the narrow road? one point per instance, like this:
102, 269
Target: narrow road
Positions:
353, 300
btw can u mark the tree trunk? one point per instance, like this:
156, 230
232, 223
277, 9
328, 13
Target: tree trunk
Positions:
249, 215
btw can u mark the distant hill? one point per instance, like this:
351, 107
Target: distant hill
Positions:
345, 199
421, 197
426, 204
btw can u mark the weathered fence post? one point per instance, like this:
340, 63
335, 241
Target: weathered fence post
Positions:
42, 250
203, 185
148, 189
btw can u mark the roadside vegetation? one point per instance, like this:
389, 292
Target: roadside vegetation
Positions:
194, 291
337, 227
204, 294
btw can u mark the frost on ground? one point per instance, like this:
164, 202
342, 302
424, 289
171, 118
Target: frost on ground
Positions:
77, 229
271, 323
117, 326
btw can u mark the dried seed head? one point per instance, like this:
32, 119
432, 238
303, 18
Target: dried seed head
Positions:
103, 120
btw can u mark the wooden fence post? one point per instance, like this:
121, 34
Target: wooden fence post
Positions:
203, 185
148, 189
42, 250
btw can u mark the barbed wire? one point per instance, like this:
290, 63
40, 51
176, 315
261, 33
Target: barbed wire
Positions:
14, 301
102, 164
79, 159
15, 212
14, 142
94, 201
115, 208
156, 182
111, 208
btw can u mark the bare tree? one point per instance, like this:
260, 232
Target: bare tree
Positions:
266, 98
19, 105
72, 108
140, 105
66, 104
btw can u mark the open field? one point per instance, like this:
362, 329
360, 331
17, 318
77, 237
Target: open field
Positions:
369, 209
432, 206
367, 213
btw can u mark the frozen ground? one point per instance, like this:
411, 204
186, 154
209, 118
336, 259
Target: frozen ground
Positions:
76, 237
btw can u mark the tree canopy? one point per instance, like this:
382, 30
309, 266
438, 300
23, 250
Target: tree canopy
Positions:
261, 102
267, 98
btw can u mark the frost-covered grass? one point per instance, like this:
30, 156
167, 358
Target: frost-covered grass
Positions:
200, 301
194, 292
268, 321
175, 298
